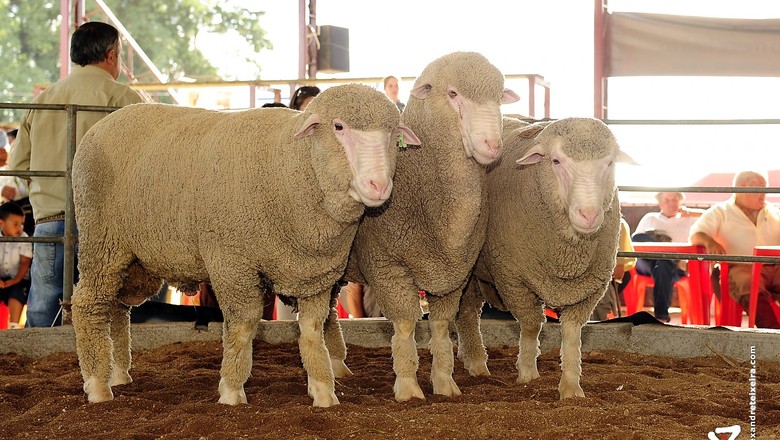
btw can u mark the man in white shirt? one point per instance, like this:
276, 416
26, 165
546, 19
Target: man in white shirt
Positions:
735, 227
672, 223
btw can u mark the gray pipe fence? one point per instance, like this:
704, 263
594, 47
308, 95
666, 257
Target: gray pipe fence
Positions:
71, 237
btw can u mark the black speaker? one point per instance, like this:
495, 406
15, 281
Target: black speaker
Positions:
333, 56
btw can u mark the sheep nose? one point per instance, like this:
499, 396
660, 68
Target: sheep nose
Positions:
590, 215
493, 144
378, 188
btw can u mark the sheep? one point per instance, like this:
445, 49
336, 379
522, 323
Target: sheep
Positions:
552, 239
428, 236
249, 201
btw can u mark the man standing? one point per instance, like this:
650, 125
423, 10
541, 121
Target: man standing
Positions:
734, 227
41, 146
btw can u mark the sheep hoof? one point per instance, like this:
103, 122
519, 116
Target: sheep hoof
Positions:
229, 395
323, 394
444, 385
477, 368
528, 376
97, 391
340, 369
406, 388
570, 390
122, 378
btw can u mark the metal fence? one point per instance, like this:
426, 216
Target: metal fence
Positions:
70, 237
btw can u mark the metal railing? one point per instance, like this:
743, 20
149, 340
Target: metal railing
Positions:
698, 189
68, 240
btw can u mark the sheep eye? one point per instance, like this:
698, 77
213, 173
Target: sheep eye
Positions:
556, 162
339, 127
452, 93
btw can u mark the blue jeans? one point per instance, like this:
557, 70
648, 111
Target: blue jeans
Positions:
43, 304
665, 273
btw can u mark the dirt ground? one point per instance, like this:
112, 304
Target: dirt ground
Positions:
174, 395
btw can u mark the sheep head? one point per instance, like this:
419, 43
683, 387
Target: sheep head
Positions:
580, 155
363, 129
473, 90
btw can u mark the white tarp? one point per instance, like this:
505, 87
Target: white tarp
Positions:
640, 44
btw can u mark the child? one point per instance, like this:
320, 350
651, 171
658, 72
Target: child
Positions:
15, 261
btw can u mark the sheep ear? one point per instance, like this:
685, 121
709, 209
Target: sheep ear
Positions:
509, 96
622, 157
532, 156
408, 135
422, 91
308, 126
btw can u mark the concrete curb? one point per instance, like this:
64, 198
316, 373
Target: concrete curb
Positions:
650, 339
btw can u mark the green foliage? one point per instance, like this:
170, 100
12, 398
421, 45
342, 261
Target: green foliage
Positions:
164, 29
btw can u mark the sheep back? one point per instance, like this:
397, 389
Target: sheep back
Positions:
172, 184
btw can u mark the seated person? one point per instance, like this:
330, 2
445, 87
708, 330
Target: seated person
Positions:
672, 223
358, 301
15, 261
620, 278
735, 227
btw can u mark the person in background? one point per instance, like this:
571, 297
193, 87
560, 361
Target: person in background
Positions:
672, 223
11, 134
41, 146
358, 301
620, 277
302, 96
735, 227
391, 90
15, 258
12, 188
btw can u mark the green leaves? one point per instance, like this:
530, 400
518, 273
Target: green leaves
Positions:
165, 29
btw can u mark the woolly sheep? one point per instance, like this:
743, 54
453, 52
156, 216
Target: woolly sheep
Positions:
252, 200
429, 235
553, 228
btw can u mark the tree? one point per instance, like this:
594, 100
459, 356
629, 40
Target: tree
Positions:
164, 29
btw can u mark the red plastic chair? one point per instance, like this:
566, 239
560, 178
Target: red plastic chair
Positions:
3, 316
698, 292
760, 251
727, 311
634, 294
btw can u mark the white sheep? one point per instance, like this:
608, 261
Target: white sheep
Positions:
553, 230
252, 200
430, 233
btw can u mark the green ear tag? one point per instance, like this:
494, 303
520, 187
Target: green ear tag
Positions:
401, 143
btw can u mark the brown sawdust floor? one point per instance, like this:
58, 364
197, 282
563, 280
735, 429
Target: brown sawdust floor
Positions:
174, 396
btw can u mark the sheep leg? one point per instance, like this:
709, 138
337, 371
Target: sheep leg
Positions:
120, 335
527, 308
334, 341
572, 319
240, 298
93, 341
471, 347
405, 361
442, 311
314, 353
94, 303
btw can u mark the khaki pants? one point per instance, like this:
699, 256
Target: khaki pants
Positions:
740, 276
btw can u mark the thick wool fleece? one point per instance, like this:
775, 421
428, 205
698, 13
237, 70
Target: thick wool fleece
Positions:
429, 235
185, 191
529, 241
